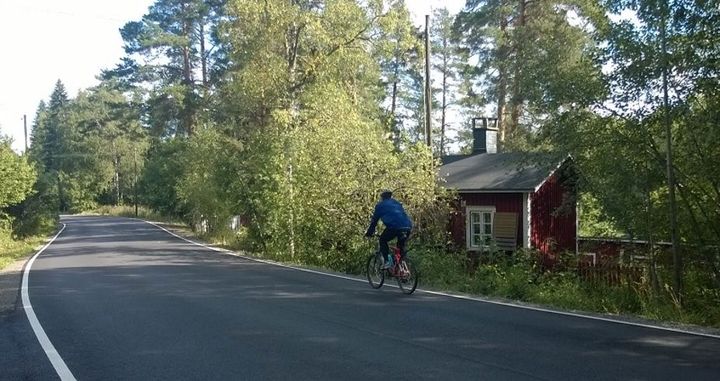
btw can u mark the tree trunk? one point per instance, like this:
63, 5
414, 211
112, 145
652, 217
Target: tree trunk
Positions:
652, 270
116, 179
502, 82
62, 205
393, 106
187, 74
444, 96
292, 42
203, 55
291, 196
502, 94
428, 86
516, 103
187, 113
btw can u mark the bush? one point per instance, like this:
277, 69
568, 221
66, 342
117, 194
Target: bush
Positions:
515, 283
162, 171
36, 215
441, 270
520, 277
562, 290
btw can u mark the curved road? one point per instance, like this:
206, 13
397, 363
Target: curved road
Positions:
121, 299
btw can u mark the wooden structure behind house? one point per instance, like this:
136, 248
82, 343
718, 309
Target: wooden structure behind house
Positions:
511, 199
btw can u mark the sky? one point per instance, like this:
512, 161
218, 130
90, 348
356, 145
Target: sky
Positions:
73, 40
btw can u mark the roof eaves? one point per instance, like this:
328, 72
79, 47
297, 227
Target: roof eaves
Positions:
557, 167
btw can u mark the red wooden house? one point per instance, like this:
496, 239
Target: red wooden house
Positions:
511, 200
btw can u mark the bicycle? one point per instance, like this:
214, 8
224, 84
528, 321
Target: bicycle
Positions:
403, 270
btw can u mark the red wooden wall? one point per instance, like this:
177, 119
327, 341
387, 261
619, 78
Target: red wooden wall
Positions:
553, 222
503, 203
552, 230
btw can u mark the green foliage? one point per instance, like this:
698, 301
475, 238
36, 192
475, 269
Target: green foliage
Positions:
519, 277
531, 59
87, 149
593, 221
447, 61
107, 146
314, 151
162, 171
693, 80
208, 188
37, 214
697, 150
16, 175
398, 49
620, 144
174, 59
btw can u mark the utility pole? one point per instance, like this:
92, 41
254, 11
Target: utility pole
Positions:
25, 129
677, 258
428, 91
135, 194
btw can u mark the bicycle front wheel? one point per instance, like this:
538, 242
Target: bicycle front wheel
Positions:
374, 271
407, 276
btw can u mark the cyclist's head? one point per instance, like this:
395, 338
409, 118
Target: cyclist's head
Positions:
386, 194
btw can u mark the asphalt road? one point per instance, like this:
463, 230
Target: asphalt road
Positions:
121, 299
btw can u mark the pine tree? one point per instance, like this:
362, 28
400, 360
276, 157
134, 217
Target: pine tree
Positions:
398, 49
174, 50
48, 142
533, 58
48, 128
446, 62
108, 141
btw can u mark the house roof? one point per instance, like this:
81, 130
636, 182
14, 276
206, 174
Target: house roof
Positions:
498, 172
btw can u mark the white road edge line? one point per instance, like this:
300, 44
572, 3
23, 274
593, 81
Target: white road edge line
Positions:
439, 293
234, 254
52, 354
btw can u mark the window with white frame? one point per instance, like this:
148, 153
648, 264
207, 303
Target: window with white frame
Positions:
479, 226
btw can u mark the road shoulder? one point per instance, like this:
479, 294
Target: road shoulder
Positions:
10, 278
22, 356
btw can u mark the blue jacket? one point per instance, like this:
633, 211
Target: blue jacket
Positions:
392, 215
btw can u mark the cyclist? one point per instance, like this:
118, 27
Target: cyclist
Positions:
397, 225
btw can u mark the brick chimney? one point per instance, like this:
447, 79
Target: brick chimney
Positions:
484, 135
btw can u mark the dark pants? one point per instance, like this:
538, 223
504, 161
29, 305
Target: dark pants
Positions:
388, 235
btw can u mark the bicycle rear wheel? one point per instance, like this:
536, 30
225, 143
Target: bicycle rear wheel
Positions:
374, 271
407, 276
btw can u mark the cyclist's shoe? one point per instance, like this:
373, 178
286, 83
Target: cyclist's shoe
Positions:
387, 265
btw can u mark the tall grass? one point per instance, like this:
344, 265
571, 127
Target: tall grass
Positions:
129, 211
14, 246
521, 278
12, 250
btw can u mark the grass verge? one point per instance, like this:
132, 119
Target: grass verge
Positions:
129, 211
13, 250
